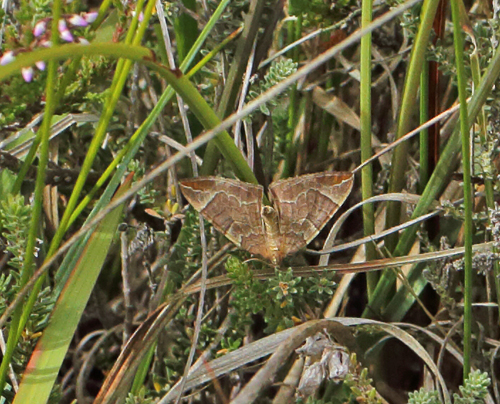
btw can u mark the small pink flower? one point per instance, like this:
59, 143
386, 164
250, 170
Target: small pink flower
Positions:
62, 25
67, 36
27, 73
64, 31
40, 65
7, 57
40, 28
78, 21
90, 17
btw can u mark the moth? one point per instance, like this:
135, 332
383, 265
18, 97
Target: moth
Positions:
301, 207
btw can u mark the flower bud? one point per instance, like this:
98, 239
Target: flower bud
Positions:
78, 21
64, 31
40, 28
27, 73
90, 17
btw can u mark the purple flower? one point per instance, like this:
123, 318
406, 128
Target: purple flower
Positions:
7, 57
90, 17
40, 28
61, 26
40, 65
78, 21
67, 36
64, 31
27, 73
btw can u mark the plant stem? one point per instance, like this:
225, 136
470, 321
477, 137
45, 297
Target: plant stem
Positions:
466, 166
424, 135
366, 144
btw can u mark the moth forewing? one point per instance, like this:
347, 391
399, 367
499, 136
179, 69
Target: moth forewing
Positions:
233, 207
306, 203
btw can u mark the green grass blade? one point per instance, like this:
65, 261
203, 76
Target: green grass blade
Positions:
424, 135
467, 183
365, 113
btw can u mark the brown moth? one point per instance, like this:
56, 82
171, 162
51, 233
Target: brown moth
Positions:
301, 208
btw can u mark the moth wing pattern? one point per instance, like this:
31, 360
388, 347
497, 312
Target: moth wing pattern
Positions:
233, 207
306, 203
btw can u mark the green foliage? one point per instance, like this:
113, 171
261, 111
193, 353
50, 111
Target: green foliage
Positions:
18, 99
486, 35
439, 278
361, 387
284, 286
33, 11
298, 6
229, 344
141, 398
410, 20
15, 219
148, 194
322, 285
185, 259
278, 71
319, 13
247, 295
89, 89
423, 396
439, 273
474, 390
278, 298
252, 296
486, 153
5, 281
